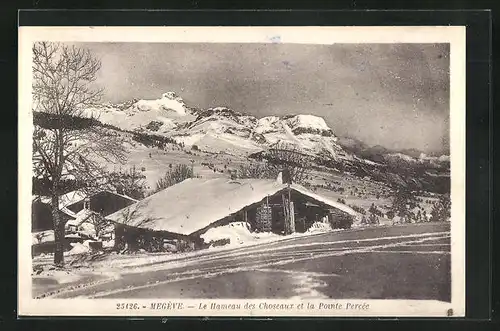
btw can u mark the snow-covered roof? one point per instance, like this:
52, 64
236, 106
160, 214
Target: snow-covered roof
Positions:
62, 207
64, 200
82, 216
73, 197
196, 203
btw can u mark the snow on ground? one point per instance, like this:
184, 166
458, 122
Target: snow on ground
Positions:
307, 121
79, 248
189, 140
42, 236
238, 233
289, 134
169, 110
60, 276
267, 124
370, 162
220, 142
318, 227
168, 101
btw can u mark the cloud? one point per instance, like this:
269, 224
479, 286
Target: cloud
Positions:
395, 95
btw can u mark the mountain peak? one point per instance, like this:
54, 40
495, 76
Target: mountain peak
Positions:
169, 101
303, 124
221, 111
172, 96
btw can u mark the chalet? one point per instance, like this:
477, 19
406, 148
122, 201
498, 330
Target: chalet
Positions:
103, 202
190, 208
77, 209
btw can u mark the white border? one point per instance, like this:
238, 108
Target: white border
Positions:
455, 35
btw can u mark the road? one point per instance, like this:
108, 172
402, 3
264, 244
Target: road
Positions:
399, 262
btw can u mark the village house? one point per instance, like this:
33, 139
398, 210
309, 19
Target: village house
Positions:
188, 209
78, 210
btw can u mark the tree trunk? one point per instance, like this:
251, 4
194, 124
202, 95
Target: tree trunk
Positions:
119, 242
286, 214
291, 212
58, 232
292, 216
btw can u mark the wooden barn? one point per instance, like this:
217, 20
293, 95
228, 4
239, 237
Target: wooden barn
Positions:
190, 208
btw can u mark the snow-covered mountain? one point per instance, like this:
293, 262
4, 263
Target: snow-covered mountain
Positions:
383, 155
165, 113
221, 128
421, 159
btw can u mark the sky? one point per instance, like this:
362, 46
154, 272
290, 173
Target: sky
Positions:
393, 95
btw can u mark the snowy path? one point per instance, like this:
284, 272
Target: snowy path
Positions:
410, 262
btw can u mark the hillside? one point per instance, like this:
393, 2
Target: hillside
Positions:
204, 134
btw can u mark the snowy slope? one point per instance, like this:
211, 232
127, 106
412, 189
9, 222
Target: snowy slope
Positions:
169, 102
308, 124
221, 128
422, 159
169, 110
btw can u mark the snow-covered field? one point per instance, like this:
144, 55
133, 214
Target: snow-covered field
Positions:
321, 265
238, 233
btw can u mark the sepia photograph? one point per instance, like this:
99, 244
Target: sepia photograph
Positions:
251, 171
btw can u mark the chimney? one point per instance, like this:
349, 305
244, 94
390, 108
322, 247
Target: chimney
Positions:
286, 177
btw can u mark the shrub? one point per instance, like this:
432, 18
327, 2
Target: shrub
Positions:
374, 210
154, 125
358, 209
173, 176
373, 219
220, 242
341, 221
256, 170
152, 140
441, 211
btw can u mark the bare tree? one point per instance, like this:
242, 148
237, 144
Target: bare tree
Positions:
130, 182
281, 157
257, 170
173, 176
289, 158
67, 143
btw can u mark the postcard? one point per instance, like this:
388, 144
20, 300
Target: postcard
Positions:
242, 171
